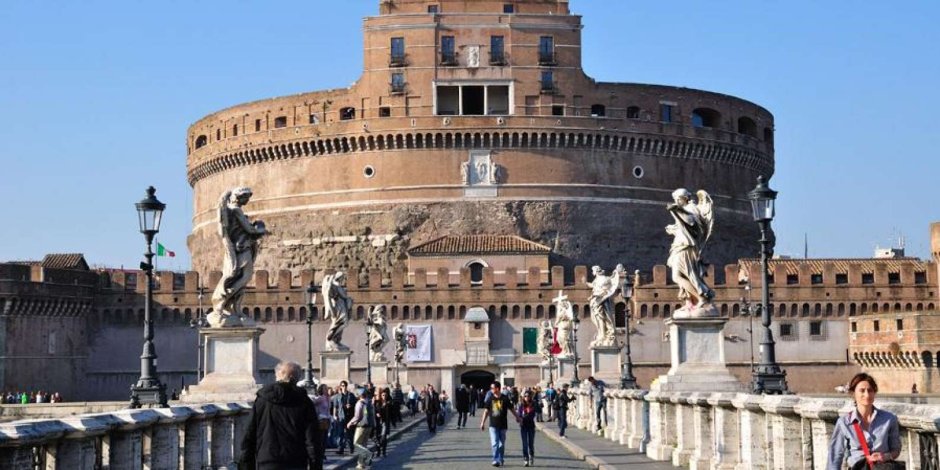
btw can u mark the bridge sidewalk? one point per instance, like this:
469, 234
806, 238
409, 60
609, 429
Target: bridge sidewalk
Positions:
602, 454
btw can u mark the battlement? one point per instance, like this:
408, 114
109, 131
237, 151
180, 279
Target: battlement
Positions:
515, 7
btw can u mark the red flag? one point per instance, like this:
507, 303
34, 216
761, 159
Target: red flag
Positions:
556, 348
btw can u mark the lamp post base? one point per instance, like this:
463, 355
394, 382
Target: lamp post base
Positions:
770, 380
148, 395
628, 383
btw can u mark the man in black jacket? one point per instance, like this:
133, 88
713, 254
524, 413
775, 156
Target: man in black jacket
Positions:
462, 403
432, 407
284, 432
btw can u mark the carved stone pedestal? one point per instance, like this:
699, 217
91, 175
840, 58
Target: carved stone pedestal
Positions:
565, 370
546, 373
380, 373
334, 367
698, 358
606, 364
231, 358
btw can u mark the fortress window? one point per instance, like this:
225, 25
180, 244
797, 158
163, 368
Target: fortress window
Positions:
816, 279
899, 323
314, 119
558, 110
397, 58
218, 134
768, 135
598, 110
508, 8
546, 50
665, 112
868, 278
201, 141
257, 125
920, 277
633, 112
854, 327
385, 111
815, 328
497, 50
747, 126
398, 83
876, 325
476, 272
448, 52
548, 82
235, 130
472, 101
894, 278
448, 100
347, 113
432, 9
280, 121
497, 100
787, 331
842, 278
705, 117
793, 279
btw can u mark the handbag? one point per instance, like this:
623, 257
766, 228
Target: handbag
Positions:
863, 464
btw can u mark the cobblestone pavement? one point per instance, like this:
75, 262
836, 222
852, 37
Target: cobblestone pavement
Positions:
465, 449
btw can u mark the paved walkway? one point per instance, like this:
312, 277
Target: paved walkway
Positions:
598, 452
469, 449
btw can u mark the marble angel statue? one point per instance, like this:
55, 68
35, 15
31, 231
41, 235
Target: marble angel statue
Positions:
378, 335
691, 230
336, 306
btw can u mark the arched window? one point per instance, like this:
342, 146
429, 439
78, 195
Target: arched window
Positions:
476, 272
747, 126
201, 141
706, 117
598, 110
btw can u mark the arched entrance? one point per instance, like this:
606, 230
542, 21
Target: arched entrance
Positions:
480, 379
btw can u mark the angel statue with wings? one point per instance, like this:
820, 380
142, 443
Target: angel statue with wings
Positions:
240, 239
378, 334
603, 288
336, 305
691, 231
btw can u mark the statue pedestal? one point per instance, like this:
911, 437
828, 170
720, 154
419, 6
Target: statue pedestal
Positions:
380, 373
546, 373
231, 358
698, 358
334, 367
606, 363
565, 372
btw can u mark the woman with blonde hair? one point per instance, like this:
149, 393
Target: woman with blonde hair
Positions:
869, 437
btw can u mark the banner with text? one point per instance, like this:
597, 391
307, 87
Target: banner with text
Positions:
419, 343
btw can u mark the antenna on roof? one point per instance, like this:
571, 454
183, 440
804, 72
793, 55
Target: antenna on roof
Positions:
805, 245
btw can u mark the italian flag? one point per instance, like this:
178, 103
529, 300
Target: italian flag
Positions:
162, 251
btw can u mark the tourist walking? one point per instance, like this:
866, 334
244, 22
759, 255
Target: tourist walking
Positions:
398, 399
495, 407
362, 423
324, 419
432, 407
526, 413
599, 400
344, 403
869, 437
413, 401
548, 401
474, 399
462, 403
560, 406
283, 432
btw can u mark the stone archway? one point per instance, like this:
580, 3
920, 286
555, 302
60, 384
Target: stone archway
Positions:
480, 379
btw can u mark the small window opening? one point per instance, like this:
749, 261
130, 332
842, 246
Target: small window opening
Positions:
235, 130
257, 125
815, 328
854, 327
397, 58
476, 273
816, 279
473, 101
900, 324
280, 121
793, 279
598, 110
665, 112
432, 9
786, 329
218, 134
201, 141
398, 83
842, 278
876, 325
633, 112
508, 8
448, 52
548, 82
347, 113
747, 126
547, 50
448, 100
497, 99
385, 111
868, 278
497, 50
894, 278
558, 110
314, 119
705, 117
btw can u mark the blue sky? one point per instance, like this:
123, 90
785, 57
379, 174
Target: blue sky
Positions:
95, 98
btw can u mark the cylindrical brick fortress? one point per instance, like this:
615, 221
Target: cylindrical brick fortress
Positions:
473, 122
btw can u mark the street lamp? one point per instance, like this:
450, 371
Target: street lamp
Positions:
627, 379
148, 389
311, 299
576, 322
199, 322
749, 310
768, 377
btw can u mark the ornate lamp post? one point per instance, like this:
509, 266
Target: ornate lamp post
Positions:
368, 350
750, 310
768, 376
577, 380
627, 379
199, 322
311, 300
148, 389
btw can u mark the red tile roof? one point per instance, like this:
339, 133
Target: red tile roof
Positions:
65, 261
478, 245
840, 265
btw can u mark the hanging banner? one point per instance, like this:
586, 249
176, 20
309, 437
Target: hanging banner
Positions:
419, 343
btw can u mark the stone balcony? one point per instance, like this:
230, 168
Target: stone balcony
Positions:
742, 431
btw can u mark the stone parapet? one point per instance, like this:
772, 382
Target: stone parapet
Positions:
197, 436
737, 431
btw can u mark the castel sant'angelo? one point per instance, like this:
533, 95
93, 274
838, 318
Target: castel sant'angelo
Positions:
468, 176
476, 118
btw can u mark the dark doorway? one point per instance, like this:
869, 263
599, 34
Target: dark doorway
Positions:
480, 379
